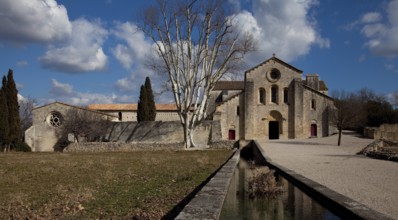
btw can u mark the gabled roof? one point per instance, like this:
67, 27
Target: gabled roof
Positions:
229, 85
228, 99
61, 103
316, 91
73, 106
276, 60
129, 107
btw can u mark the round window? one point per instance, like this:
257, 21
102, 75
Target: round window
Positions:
273, 75
54, 119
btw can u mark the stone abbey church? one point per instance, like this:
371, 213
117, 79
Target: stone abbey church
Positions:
273, 102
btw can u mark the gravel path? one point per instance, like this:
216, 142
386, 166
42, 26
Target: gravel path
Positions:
371, 182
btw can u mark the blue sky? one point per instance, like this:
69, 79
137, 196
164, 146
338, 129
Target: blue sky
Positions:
89, 51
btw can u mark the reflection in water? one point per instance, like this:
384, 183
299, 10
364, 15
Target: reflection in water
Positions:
291, 204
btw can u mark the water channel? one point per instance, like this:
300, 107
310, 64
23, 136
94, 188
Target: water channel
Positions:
292, 203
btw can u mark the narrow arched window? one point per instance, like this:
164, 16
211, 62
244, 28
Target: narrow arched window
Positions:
274, 94
261, 96
313, 104
120, 116
286, 95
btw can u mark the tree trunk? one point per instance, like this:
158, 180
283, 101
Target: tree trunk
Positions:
188, 136
339, 140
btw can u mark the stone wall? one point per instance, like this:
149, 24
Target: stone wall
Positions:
163, 135
385, 131
317, 114
90, 147
162, 132
229, 114
129, 116
121, 146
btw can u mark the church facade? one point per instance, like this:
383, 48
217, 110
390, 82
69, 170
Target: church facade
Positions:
273, 102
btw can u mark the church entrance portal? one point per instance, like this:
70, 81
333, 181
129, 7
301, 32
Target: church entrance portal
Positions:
314, 132
273, 130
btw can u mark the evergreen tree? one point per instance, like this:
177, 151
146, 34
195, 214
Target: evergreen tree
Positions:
142, 108
13, 108
151, 100
4, 128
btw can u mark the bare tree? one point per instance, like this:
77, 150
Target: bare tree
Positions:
92, 126
348, 113
394, 99
25, 113
196, 44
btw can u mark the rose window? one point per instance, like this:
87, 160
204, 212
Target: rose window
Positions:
54, 119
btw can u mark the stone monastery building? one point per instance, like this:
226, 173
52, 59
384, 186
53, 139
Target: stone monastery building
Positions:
273, 102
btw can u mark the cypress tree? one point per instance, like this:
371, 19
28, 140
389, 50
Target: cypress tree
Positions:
151, 100
4, 128
142, 108
14, 122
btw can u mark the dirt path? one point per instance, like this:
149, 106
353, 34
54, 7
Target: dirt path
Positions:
371, 182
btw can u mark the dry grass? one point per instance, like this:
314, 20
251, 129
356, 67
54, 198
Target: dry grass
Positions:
264, 184
100, 185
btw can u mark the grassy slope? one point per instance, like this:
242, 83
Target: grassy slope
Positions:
118, 185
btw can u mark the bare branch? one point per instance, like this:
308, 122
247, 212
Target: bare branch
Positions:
197, 45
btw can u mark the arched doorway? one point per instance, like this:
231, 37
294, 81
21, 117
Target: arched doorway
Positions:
273, 130
314, 132
274, 125
231, 134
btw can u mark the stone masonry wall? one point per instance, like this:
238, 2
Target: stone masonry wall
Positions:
90, 147
385, 131
258, 114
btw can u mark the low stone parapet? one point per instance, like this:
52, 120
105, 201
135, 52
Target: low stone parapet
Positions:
120, 146
139, 146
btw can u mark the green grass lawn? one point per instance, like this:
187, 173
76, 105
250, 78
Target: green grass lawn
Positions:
101, 185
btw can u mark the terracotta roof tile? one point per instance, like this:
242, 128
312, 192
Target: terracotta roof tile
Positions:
129, 107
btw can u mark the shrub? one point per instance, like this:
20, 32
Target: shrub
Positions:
264, 185
22, 147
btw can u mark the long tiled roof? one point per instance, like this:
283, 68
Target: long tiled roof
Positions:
229, 85
129, 107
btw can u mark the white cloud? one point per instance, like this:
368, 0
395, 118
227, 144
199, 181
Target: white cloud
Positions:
65, 92
132, 52
382, 37
83, 51
282, 27
135, 48
27, 21
59, 89
83, 99
21, 98
371, 17
22, 63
